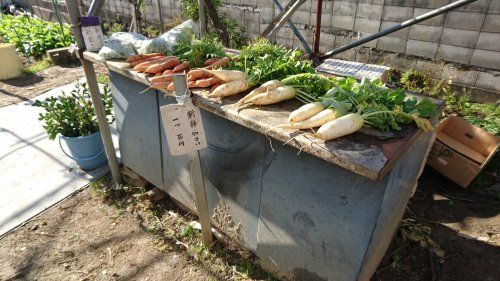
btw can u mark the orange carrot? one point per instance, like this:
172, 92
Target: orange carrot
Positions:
161, 78
197, 74
160, 85
219, 63
145, 65
162, 66
203, 83
210, 61
191, 84
168, 71
181, 67
142, 56
171, 87
133, 64
214, 86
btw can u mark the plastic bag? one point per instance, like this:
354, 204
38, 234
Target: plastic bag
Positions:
181, 33
121, 45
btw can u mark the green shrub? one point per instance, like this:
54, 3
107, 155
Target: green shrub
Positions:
33, 36
72, 115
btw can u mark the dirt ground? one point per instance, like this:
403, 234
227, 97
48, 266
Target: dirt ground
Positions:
447, 234
28, 86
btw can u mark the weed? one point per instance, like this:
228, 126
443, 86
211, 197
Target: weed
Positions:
103, 79
396, 262
246, 268
38, 66
201, 251
189, 232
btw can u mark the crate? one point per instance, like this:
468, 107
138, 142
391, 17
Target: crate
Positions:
461, 150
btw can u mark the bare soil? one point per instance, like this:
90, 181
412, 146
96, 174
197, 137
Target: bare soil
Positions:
25, 87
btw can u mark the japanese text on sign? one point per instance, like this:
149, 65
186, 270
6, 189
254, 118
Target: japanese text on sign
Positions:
183, 127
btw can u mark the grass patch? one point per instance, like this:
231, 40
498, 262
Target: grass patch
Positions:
103, 79
38, 66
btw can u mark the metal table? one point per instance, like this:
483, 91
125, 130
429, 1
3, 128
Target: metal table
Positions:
328, 213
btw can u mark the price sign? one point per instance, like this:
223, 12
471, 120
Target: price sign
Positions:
183, 127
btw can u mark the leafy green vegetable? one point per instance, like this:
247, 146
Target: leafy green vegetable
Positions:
264, 61
33, 36
198, 51
309, 86
383, 108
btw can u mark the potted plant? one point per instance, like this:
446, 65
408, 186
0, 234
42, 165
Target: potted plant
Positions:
71, 118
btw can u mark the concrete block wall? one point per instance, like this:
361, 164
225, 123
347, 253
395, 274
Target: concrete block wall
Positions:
460, 42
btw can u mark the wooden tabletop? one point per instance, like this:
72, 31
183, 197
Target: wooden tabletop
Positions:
365, 155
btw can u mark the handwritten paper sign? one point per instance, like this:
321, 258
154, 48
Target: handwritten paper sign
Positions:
183, 127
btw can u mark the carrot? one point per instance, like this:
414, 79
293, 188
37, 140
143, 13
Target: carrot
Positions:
203, 83
317, 120
162, 66
168, 71
197, 74
142, 56
145, 65
341, 126
229, 89
273, 96
181, 67
191, 84
160, 85
227, 75
133, 64
214, 86
162, 78
269, 85
219, 63
211, 61
306, 111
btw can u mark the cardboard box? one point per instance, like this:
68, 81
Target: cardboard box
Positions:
461, 150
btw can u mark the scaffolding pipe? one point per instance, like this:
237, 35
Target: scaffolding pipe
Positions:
317, 30
88, 68
399, 26
95, 8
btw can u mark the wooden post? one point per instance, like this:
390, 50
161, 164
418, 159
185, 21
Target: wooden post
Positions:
196, 173
88, 68
201, 17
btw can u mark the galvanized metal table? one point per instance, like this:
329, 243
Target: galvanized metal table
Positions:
328, 213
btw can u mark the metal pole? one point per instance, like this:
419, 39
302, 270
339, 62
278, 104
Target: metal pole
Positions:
88, 68
317, 31
160, 15
399, 26
299, 36
95, 7
201, 17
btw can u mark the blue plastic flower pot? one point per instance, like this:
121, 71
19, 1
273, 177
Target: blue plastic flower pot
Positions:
87, 151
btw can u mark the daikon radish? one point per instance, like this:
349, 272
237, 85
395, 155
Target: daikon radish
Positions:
227, 75
171, 87
317, 120
341, 126
229, 89
181, 67
306, 111
269, 85
142, 56
273, 96
219, 63
168, 71
203, 83
162, 66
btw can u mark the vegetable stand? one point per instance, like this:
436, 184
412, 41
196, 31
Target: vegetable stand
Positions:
327, 213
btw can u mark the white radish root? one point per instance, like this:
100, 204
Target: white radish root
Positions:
273, 96
227, 75
268, 86
341, 126
306, 111
229, 89
317, 120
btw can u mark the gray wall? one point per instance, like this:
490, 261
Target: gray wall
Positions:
463, 44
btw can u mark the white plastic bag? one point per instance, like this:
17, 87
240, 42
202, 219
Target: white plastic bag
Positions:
181, 33
121, 45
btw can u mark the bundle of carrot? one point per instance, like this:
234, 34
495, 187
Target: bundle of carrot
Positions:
202, 78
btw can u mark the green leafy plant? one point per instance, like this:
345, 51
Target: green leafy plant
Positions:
197, 51
72, 115
415, 81
33, 36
